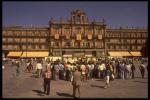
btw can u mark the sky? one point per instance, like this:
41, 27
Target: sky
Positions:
116, 14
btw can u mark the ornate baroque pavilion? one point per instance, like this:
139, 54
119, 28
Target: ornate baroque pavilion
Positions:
76, 37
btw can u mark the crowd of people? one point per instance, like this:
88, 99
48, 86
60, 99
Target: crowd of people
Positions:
102, 68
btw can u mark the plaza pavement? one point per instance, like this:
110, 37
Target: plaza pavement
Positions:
28, 86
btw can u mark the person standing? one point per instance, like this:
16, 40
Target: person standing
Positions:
47, 80
17, 69
132, 70
108, 73
142, 69
83, 69
39, 68
76, 83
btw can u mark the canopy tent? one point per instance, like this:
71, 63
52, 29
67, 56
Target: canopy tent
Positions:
35, 54
119, 53
136, 53
14, 54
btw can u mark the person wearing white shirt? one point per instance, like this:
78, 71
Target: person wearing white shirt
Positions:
39, 68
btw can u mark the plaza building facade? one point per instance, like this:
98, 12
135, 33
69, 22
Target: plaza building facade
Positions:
76, 37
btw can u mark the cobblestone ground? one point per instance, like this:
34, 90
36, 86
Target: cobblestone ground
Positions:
28, 86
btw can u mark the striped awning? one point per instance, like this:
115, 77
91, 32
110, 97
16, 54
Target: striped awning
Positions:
136, 53
119, 53
14, 54
35, 54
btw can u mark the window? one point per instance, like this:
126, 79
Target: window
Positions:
10, 47
36, 33
68, 44
23, 40
133, 34
43, 46
17, 40
114, 40
144, 35
29, 33
111, 47
67, 36
101, 45
42, 40
78, 44
143, 41
78, 37
57, 44
4, 33
52, 43
133, 47
139, 41
16, 33
128, 47
57, 36
16, 47
36, 46
10, 33
23, 33
24, 47
89, 36
30, 40
10, 39
4, 40
128, 40
139, 47
117, 47
29, 46
138, 35
88, 44
4, 47
99, 36
36, 40
133, 41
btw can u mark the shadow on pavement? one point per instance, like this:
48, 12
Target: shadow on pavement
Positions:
100, 80
40, 93
97, 86
64, 94
140, 82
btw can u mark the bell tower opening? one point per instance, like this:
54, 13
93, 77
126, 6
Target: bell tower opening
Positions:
78, 17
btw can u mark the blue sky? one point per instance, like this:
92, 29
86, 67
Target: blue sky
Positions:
116, 14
